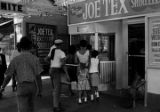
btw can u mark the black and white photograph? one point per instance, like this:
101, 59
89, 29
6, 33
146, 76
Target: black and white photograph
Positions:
79, 55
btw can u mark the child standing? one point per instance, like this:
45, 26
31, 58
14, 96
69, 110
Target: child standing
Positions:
83, 83
94, 74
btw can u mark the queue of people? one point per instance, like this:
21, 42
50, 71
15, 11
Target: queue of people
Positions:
79, 65
88, 73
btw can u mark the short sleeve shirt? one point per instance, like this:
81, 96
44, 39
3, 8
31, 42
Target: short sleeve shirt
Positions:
94, 63
58, 55
25, 67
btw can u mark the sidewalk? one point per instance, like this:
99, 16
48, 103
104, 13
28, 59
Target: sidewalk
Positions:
107, 102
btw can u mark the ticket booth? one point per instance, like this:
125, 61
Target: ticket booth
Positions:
134, 27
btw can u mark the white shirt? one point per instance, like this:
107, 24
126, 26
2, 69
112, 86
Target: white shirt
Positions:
58, 55
83, 58
94, 65
51, 50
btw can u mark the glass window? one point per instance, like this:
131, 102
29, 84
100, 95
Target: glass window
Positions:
106, 46
90, 38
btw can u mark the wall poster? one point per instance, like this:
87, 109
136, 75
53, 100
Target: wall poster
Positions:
154, 41
42, 36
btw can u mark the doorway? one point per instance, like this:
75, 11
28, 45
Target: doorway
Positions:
136, 51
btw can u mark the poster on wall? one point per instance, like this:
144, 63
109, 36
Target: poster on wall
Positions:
154, 41
42, 36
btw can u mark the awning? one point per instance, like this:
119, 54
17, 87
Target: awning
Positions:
6, 22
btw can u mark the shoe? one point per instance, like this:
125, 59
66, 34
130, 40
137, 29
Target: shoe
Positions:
97, 94
79, 101
92, 97
85, 99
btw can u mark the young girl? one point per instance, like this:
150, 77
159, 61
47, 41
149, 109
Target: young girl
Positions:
83, 83
94, 74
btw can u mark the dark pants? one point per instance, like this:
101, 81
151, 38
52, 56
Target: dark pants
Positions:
25, 96
14, 84
1, 79
55, 74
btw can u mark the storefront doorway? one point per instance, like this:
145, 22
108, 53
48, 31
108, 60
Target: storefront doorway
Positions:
136, 51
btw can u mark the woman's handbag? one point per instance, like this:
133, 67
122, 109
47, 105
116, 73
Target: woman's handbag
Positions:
74, 85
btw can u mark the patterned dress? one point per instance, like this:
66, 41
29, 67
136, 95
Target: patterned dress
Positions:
83, 82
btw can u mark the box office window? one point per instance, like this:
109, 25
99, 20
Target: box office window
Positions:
106, 46
90, 38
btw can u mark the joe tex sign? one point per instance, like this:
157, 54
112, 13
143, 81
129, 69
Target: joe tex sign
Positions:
92, 10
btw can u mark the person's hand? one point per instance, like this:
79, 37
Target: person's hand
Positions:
1, 90
39, 93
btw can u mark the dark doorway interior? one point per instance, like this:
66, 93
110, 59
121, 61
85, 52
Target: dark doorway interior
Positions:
136, 48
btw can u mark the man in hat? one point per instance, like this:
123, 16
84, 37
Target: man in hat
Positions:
57, 58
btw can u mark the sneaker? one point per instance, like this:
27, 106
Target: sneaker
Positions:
79, 101
92, 97
85, 99
97, 94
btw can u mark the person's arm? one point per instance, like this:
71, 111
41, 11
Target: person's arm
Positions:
39, 85
48, 57
8, 74
5, 82
38, 79
66, 72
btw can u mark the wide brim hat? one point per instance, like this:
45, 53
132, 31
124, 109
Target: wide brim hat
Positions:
58, 41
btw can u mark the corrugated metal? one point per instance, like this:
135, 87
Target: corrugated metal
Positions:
107, 72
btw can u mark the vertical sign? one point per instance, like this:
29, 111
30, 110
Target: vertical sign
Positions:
154, 42
42, 36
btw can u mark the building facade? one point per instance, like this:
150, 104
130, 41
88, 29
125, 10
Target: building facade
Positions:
38, 20
126, 33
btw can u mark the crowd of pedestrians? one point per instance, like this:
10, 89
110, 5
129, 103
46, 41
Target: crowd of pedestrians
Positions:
79, 64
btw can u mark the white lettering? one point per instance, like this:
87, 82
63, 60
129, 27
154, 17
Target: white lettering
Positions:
123, 7
91, 10
114, 7
97, 9
106, 2
85, 14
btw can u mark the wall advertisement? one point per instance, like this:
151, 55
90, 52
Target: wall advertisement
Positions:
42, 36
154, 42
96, 10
